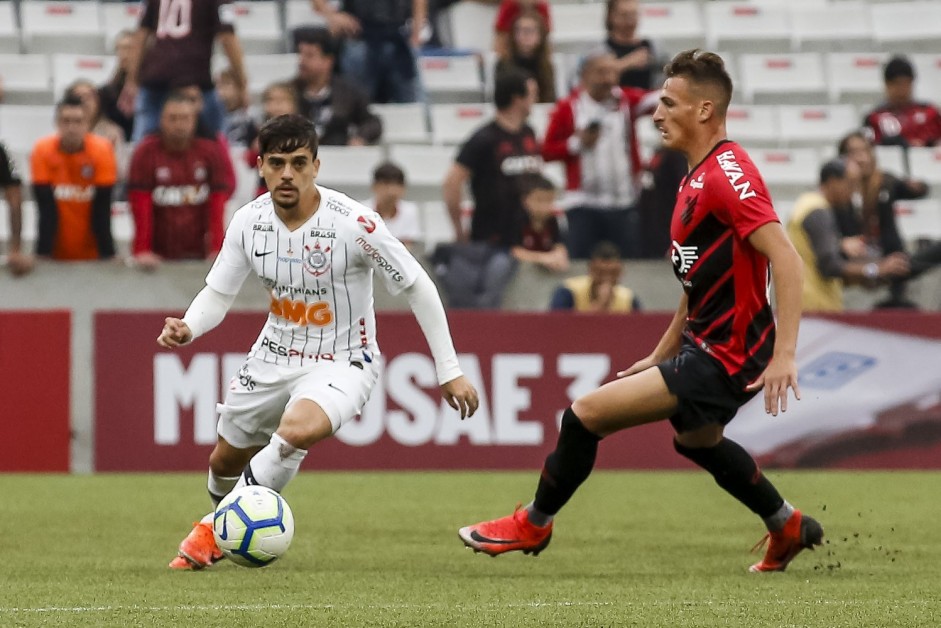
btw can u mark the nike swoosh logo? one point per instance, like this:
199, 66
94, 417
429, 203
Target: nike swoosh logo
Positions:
337, 389
257, 254
482, 539
224, 534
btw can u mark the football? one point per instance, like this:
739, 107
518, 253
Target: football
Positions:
253, 526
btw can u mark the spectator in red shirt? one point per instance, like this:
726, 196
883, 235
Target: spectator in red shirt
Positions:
541, 242
177, 188
901, 120
507, 13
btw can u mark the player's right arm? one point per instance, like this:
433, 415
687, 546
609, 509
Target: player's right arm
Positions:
669, 344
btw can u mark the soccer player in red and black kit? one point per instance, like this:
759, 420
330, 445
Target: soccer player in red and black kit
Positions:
722, 345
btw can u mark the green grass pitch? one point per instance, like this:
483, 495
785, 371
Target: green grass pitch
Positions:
381, 549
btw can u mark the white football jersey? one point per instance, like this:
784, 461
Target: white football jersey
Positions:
319, 277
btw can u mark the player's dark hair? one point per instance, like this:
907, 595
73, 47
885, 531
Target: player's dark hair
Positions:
286, 134
833, 169
509, 85
703, 68
898, 67
530, 183
388, 172
69, 100
316, 36
843, 148
606, 251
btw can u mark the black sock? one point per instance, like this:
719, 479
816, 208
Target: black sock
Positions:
738, 473
566, 467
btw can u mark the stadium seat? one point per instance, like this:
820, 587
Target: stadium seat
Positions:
919, 219
577, 27
45, 25
672, 25
539, 118
9, 32
787, 172
300, 13
840, 26
349, 168
783, 78
453, 124
258, 24
425, 168
436, 225
122, 227
892, 160
924, 164
741, 26
928, 83
754, 125
68, 68
816, 125
117, 17
452, 79
855, 77
469, 26
22, 125
908, 26
262, 70
555, 172
402, 124
26, 79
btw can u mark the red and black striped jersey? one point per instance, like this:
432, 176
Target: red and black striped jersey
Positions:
720, 203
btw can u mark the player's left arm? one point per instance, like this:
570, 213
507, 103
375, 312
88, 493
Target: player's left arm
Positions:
787, 273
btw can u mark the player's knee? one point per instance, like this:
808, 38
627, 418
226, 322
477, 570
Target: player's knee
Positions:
589, 413
227, 461
303, 426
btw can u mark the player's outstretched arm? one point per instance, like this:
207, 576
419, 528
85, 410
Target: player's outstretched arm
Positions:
426, 305
669, 344
205, 312
787, 273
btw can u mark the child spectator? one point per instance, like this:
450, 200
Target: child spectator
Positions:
237, 123
542, 240
506, 15
400, 216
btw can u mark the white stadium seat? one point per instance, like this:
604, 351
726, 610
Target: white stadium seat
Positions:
816, 125
672, 25
892, 159
787, 172
469, 25
577, 27
840, 26
754, 125
22, 125
451, 79
68, 68
47, 24
909, 26
26, 79
301, 13
924, 164
453, 124
258, 25
919, 219
539, 119
262, 70
783, 78
117, 17
436, 224
928, 81
349, 168
855, 77
9, 32
402, 123
742, 26
425, 168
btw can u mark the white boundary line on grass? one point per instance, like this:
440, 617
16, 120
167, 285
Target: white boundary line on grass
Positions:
287, 607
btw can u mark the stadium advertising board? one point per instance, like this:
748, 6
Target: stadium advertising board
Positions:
35, 350
527, 368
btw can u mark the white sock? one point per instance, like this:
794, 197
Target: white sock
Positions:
207, 518
274, 466
219, 486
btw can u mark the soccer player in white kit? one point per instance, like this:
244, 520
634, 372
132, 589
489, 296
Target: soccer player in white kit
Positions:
314, 363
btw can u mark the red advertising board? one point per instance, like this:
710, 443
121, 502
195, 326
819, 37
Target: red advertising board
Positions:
156, 408
34, 370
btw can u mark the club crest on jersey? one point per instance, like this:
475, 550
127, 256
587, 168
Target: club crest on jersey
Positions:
88, 171
316, 261
368, 224
683, 257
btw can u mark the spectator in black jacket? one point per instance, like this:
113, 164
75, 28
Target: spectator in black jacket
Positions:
338, 109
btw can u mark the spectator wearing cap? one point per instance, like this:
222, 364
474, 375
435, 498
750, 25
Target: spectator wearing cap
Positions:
830, 260
901, 120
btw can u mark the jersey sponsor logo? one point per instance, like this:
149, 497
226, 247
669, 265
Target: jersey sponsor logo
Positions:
316, 261
262, 226
179, 195
289, 352
330, 234
383, 264
74, 193
317, 314
521, 164
368, 224
734, 172
245, 378
683, 257
340, 209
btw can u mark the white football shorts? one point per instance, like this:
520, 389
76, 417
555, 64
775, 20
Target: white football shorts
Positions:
260, 392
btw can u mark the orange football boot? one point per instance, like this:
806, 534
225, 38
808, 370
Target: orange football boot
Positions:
198, 550
799, 533
507, 534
